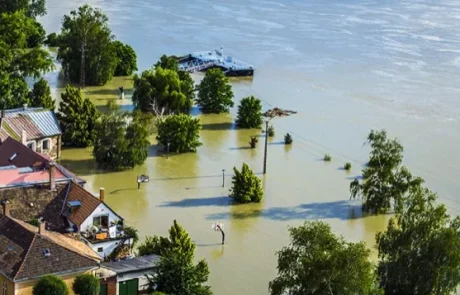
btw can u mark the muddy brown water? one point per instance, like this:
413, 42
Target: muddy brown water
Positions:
345, 66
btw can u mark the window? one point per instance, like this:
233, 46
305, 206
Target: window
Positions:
101, 221
4, 288
100, 249
31, 145
46, 144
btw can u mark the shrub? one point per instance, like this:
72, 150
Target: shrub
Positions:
287, 138
50, 285
246, 186
86, 284
327, 158
181, 131
253, 142
271, 131
132, 232
347, 166
34, 222
249, 113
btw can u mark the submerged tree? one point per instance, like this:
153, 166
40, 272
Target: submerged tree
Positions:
162, 89
418, 253
126, 59
215, 93
249, 113
246, 186
318, 262
40, 96
86, 40
77, 117
181, 132
176, 272
385, 180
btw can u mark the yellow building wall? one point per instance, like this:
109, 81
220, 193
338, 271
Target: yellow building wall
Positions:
25, 288
9, 285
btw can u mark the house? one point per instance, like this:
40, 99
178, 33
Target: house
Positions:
127, 277
36, 128
36, 188
28, 253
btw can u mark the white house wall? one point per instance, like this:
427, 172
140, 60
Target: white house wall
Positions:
102, 209
141, 275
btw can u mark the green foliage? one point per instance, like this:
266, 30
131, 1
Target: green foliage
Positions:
327, 158
158, 293
181, 131
249, 113
385, 180
246, 186
87, 28
347, 166
161, 89
32, 8
253, 142
17, 60
127, 59
419, 250
121, 141
34, 222
318, 262
131, 232
167, 62
52, 40
40, 96
215, 94
176, 272
86, 284
50, 285
287, 138
77, 117
271, 131
152, 245
38, 37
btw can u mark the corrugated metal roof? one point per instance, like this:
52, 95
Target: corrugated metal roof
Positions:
46, 121
135, 264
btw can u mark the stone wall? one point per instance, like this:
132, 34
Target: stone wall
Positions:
54, 152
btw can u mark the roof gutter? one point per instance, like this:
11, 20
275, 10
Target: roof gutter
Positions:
57, 273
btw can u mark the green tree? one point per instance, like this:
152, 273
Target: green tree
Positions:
160, 89
86, 284
36, 39
385, 180
182, 132
86, 31
50, 285
52, 40
186, 82
77, 117
215, 94
249, 113
176, 272
246, 186
32, 8
152, 245
418, 253
40, 96
131, 232
121, 141
317, 262
126, 59
17, 60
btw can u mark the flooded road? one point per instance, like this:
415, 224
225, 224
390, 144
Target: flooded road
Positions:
345, 66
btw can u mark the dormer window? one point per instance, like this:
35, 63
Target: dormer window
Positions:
46, 252
31, 145
12, 157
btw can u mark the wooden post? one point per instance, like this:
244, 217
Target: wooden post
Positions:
266, 143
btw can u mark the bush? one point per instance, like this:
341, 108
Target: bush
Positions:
249, 113
253, 142
132, 232
52, 40
246, 186
347, 166
86, 284
50, 285
34, 222
181, 131
271, 131
327, 158
287, 138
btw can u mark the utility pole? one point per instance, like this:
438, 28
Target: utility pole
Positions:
266, 143
223, 177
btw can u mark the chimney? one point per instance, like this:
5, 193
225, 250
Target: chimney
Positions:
25, 107
101, 194
52, 174
42, 228
24, 137
6, 208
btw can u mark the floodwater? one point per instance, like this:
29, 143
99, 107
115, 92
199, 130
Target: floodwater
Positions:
345, 66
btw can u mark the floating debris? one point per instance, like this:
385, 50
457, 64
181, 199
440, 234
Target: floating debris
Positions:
277, 112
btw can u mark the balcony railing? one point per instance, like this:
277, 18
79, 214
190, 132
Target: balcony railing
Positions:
98, 235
